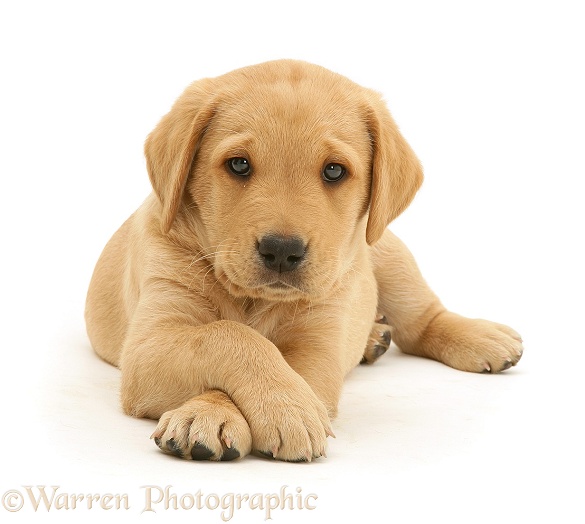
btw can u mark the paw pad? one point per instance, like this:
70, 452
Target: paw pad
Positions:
201, 452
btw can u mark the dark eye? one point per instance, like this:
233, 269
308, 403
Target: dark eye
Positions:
239, 166
333, 172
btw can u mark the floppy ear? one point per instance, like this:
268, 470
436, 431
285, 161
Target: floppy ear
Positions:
171, 147
396, 171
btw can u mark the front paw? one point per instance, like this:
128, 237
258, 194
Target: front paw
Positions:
207, 427
288, 422
472, 344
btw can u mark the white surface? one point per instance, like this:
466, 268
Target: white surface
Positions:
491, 99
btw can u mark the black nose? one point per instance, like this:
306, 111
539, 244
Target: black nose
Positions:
281, 253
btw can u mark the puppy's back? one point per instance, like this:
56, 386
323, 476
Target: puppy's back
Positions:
105, 314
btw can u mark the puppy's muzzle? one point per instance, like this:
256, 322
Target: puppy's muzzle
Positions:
280, 253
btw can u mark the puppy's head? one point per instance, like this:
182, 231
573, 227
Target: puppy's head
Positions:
284, 170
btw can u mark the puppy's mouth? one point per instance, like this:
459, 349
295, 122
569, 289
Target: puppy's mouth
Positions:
272, 289
280, 285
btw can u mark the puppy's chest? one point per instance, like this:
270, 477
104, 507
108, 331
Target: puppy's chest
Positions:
269, 319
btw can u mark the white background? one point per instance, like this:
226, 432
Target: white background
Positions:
490, 96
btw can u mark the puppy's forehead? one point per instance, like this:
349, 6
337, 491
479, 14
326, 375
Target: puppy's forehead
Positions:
291, 98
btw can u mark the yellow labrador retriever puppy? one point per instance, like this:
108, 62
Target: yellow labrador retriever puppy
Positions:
260, 271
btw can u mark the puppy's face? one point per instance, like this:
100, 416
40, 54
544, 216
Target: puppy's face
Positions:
278, 164
281, 185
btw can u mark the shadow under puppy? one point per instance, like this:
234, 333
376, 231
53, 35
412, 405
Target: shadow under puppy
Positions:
260, 270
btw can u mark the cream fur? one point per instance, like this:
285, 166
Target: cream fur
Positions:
233, 357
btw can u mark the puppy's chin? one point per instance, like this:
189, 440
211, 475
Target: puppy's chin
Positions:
273, 290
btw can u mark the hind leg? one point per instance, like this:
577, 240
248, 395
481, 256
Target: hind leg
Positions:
422, 326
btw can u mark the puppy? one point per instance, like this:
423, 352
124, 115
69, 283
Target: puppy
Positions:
260, 270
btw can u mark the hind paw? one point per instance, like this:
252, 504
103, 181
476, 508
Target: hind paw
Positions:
378, 342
